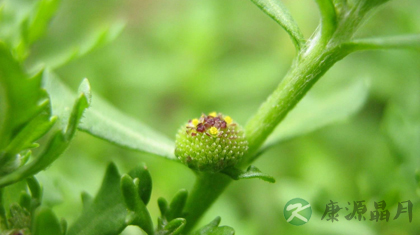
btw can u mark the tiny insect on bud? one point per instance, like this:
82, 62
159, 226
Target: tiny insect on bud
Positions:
210, 143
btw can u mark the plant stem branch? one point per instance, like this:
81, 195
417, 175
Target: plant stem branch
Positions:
278, 12
206, 190
302, 76
327, 46
328, 19
382, 43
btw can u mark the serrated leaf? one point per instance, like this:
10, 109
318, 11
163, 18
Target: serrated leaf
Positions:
20, 96
25, 201
177, 205
10, 195
314, 112
173, 228
213, 229
46, 222
19, 217
163, 205
278, 12
35, 188
144, 182
107, 213
56, 146
106, 122
33, 130
213, 224
82, 103
251, 173
140, 215
86, 200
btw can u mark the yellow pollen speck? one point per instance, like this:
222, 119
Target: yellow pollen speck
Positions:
213, 114
213, 130
195, 121
228, 120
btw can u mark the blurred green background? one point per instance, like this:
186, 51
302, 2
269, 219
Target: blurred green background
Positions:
177, 59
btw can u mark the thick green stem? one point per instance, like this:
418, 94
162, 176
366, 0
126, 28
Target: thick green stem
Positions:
305, 72
206, 190
322, 51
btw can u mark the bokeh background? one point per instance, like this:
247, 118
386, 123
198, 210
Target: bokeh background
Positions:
177, 59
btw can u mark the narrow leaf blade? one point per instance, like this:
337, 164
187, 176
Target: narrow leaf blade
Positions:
278, 12
106, 122
174, 227
251, 173
144, 182
46, 222
107, 213
213, 229
177, 205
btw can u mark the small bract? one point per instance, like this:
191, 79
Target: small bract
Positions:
210, 143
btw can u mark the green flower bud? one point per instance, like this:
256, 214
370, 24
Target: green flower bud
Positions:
210, 143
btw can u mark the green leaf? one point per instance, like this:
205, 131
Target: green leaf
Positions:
314, 112
144, 182
82, 103
107, 213
57, 144
86, 200
106, 122
364, 6
139, 215
36, 25
25, 200
328, 18
19, 218
163, 206
10, 195
177, 205
278, 12
402, 128
213, 229
22, 98
174, 227
46, 222
33, 130
99, 38
251, 173
35, 187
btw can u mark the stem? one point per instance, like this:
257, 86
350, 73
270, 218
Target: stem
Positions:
323, 51
383, 43
328, 19
206, 190
304, 73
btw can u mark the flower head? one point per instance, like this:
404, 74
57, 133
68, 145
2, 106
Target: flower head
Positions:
210, 143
